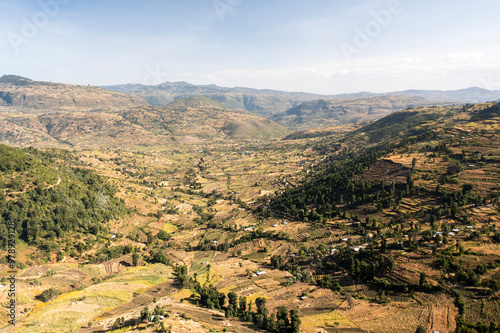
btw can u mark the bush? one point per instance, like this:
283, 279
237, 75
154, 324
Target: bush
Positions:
49, 294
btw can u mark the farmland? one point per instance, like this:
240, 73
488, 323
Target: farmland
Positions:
218, 210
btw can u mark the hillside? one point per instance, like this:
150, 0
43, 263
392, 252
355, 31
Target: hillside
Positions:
426, 187
262, 103
266, 102
48, 202
394, 219
18, 94
188, 120
196, 102
324, 113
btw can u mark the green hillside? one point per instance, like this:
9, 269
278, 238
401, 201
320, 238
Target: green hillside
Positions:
49, 203
426, 185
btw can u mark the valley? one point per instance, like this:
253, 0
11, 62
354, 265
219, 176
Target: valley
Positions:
234, 166
348, 226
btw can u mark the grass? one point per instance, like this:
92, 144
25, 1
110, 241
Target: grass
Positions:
149, 280
184, 293
70, 310
311, 323
149, 275
170, 228
255, 256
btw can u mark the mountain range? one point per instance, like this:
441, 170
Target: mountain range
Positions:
44, 114
24, 95
63, 115
298, 110
268, 101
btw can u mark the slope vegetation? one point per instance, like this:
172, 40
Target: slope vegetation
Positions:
48, 202
420, 184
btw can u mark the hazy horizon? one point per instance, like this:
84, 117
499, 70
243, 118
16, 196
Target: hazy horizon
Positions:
317, 47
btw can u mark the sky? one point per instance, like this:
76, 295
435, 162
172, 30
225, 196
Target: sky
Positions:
317, 46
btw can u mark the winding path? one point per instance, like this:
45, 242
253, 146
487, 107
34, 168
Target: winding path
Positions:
58, 182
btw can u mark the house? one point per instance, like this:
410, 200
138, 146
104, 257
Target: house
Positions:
260, 273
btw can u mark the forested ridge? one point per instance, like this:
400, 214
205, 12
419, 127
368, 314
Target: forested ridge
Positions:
47, 202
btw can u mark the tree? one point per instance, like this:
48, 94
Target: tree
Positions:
277, 261
260, 302
423, 280
163, 235
222, 300
282, 322
232, 309
243, 305
151, 238
271, 324
420, 329
49, 294
233, 298
146, 313
135, 259
294, 321
117, 323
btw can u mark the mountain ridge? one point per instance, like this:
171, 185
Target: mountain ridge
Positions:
466, 95
332, 112
19, 94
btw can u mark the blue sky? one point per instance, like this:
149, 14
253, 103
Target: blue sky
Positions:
320, 46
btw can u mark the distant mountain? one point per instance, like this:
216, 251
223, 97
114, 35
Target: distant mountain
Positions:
469, 95
267, 103
196, 102
264, 103
323, 113
25, 95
